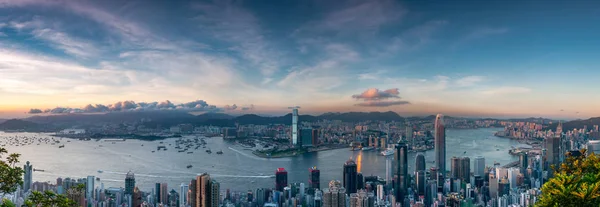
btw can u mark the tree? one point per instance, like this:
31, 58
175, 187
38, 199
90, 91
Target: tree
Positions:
11, 175
575, 183
47, 199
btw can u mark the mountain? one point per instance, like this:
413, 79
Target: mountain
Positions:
114, 117
362, 116
576, 124
17, 124
2, 120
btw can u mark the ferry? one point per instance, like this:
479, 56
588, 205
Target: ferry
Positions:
387, 152
367, 148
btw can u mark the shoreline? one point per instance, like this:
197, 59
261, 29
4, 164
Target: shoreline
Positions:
296, 152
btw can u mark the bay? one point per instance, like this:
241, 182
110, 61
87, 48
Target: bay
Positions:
235, 169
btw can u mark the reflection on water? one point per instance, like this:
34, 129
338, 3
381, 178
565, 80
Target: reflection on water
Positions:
236, 168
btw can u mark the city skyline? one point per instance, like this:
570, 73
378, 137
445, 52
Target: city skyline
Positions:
471, 59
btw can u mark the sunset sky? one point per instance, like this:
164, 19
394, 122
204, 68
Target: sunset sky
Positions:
462, 58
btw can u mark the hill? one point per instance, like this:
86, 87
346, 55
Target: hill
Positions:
19, 125
577, 124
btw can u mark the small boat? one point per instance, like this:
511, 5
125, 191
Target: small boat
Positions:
97, 179
220, 152
190, 152
100, 171
497, 149
152, 151
61, 146
387, 152
208, 151
189, 166
367, 148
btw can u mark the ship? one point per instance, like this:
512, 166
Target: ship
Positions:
190, 152
220, 152
387, 152
367, 148
208, 151
61, 146
100, 171
189, 166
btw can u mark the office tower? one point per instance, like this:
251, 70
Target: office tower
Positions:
280, 179
493, 186
136, 197
129, 183
164, 193
192, 192
420, 180
465, 169
294, 125
454, 168
350, 171
203, 195
512, 177
28, 170
173, 198
420, 162
479, 166
388, 169
440, 144
313, 178
360, 181
215, 193
553, 151
401, 162
89, 192
183, 195
593, 146
523, 163
306, 137
157, 193
315, 137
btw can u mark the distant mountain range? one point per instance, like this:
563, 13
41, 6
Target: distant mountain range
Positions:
155, 119
576, 124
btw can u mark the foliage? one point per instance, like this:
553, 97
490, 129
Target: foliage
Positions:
47, 199
576, 183
11, 175
7, 203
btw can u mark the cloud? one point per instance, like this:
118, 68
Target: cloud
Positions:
374, 94
35, 111
382, 103
124, 106
247, 108
469, 81
506, 90
371, 75
230, 108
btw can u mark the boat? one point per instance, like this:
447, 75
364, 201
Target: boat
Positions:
100, 171
97, 179
208, 151
189, 166
387, 152
497, 149
61, 146
190, 152
220, 152
152, 151
367, 148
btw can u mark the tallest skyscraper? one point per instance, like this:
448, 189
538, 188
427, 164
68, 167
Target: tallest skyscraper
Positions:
440, 144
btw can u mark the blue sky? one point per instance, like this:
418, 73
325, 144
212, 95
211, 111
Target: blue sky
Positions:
470, 58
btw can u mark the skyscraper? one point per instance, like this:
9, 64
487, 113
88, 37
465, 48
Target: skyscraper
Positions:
523, 162
315, 137
280, 179
157, 193
401, 161
136, 197
552, 150
350, 171
294, 125
440, 144
314, 178
215, 193
203, 195
183, 195
479, 166
420, 162
164, 193
420, 180
89, 191
192, 192
129, 183
465, 169
454, 168
28, 168
306, 137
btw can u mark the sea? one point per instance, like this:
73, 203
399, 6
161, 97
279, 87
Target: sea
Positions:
236, 169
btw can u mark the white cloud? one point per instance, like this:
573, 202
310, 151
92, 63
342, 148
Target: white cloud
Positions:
469, 81
506, 90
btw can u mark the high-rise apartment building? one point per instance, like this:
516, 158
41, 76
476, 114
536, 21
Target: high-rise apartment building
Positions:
183, 194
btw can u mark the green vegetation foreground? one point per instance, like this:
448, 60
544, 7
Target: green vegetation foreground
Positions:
576, 183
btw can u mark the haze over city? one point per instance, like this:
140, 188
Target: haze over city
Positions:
467, 58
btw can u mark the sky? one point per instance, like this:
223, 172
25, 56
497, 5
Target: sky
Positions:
461, 58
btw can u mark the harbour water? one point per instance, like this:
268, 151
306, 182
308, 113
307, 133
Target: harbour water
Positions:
236, 168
